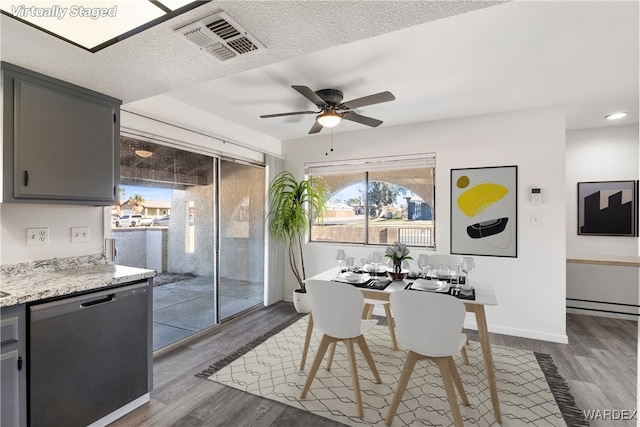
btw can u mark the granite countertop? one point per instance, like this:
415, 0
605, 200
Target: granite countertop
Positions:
29, 282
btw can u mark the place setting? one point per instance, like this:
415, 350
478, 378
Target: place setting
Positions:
444, 278
372, 274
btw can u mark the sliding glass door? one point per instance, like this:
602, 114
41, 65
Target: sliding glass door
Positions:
199, 222
241, 255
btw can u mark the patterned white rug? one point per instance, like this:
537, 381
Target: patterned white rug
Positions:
271, 370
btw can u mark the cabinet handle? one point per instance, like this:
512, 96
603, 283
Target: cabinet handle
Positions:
25, 178
19, 363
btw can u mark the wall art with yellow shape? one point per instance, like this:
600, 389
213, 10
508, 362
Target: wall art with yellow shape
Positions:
484, 211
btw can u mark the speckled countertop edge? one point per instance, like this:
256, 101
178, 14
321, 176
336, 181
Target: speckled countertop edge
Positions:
34, 281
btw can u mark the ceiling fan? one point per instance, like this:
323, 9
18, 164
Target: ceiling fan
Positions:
332, 110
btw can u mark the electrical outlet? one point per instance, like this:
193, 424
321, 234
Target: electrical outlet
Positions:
37, 236
80, 234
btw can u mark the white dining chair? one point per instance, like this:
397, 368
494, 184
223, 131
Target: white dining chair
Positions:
453, 262
337, 309
429, 325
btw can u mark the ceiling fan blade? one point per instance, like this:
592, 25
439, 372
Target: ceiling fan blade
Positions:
355, 117
310, 95
317, 127
369, 100
267, 116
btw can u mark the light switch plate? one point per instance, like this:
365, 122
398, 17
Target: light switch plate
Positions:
37, 236
80, 234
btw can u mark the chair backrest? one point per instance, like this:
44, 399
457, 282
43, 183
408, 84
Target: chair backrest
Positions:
336, 307
428, 323
444, 259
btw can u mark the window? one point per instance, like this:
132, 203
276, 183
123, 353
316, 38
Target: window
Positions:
378, 201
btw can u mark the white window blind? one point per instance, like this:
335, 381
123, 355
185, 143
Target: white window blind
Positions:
371, 164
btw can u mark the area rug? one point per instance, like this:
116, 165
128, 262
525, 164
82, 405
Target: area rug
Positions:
269, 366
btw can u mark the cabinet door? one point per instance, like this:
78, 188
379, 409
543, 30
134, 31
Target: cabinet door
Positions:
10, 389
13, 372
64, 144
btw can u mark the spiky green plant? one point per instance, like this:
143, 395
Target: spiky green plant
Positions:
291, 204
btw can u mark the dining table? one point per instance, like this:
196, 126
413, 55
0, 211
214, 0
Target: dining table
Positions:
484, 296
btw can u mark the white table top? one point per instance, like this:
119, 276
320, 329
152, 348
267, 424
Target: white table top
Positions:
485, 294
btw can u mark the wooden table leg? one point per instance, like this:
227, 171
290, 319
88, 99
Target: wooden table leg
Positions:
307, 340
483, 333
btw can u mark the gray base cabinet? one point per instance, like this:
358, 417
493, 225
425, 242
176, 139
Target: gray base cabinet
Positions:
61, 142
13, 375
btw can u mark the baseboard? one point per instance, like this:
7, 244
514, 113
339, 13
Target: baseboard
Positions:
522, 333
603, 314
108, 419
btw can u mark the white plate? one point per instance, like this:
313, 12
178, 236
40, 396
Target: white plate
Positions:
354, 277
430, 285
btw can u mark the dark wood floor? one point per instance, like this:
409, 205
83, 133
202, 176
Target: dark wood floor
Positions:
599, 363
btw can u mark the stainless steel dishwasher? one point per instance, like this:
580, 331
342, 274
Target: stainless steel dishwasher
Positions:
89, 355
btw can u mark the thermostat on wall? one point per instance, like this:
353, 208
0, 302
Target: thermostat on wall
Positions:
536, 196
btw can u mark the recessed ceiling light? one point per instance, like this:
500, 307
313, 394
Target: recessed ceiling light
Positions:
615, 116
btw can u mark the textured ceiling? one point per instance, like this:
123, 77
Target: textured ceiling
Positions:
441, 60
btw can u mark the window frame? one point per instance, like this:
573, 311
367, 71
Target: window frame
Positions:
366, 166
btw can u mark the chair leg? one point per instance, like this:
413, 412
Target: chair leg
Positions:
447, 379
354, 376
463, 352
407, 370
457, 381
367, 311
465, 356
392, 332
332, 351
307, 340
322, 348
367, 355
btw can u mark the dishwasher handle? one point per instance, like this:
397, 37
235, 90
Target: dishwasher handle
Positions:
96, 301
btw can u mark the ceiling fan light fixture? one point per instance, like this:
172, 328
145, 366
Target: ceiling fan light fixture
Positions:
329, 119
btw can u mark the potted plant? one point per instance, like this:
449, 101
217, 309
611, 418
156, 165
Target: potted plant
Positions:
398, 252
290, 205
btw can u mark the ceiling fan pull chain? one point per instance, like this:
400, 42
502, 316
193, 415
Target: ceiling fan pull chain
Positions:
331, 129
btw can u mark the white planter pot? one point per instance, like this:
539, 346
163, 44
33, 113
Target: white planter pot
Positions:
301, 302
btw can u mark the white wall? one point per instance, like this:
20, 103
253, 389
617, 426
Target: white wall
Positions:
531, 287
600, 154
17, 217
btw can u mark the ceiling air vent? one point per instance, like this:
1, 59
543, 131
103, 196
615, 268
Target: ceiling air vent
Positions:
221, 36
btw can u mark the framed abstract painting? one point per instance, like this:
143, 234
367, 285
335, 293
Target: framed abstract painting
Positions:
484, 211
608, 208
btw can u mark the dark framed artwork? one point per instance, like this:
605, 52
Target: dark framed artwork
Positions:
484, 211
608, 208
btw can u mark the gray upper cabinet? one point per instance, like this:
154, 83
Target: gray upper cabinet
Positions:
61, 142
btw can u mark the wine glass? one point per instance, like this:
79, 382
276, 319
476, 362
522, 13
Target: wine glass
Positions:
423, 264
376, 260
341, 256
467, 267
